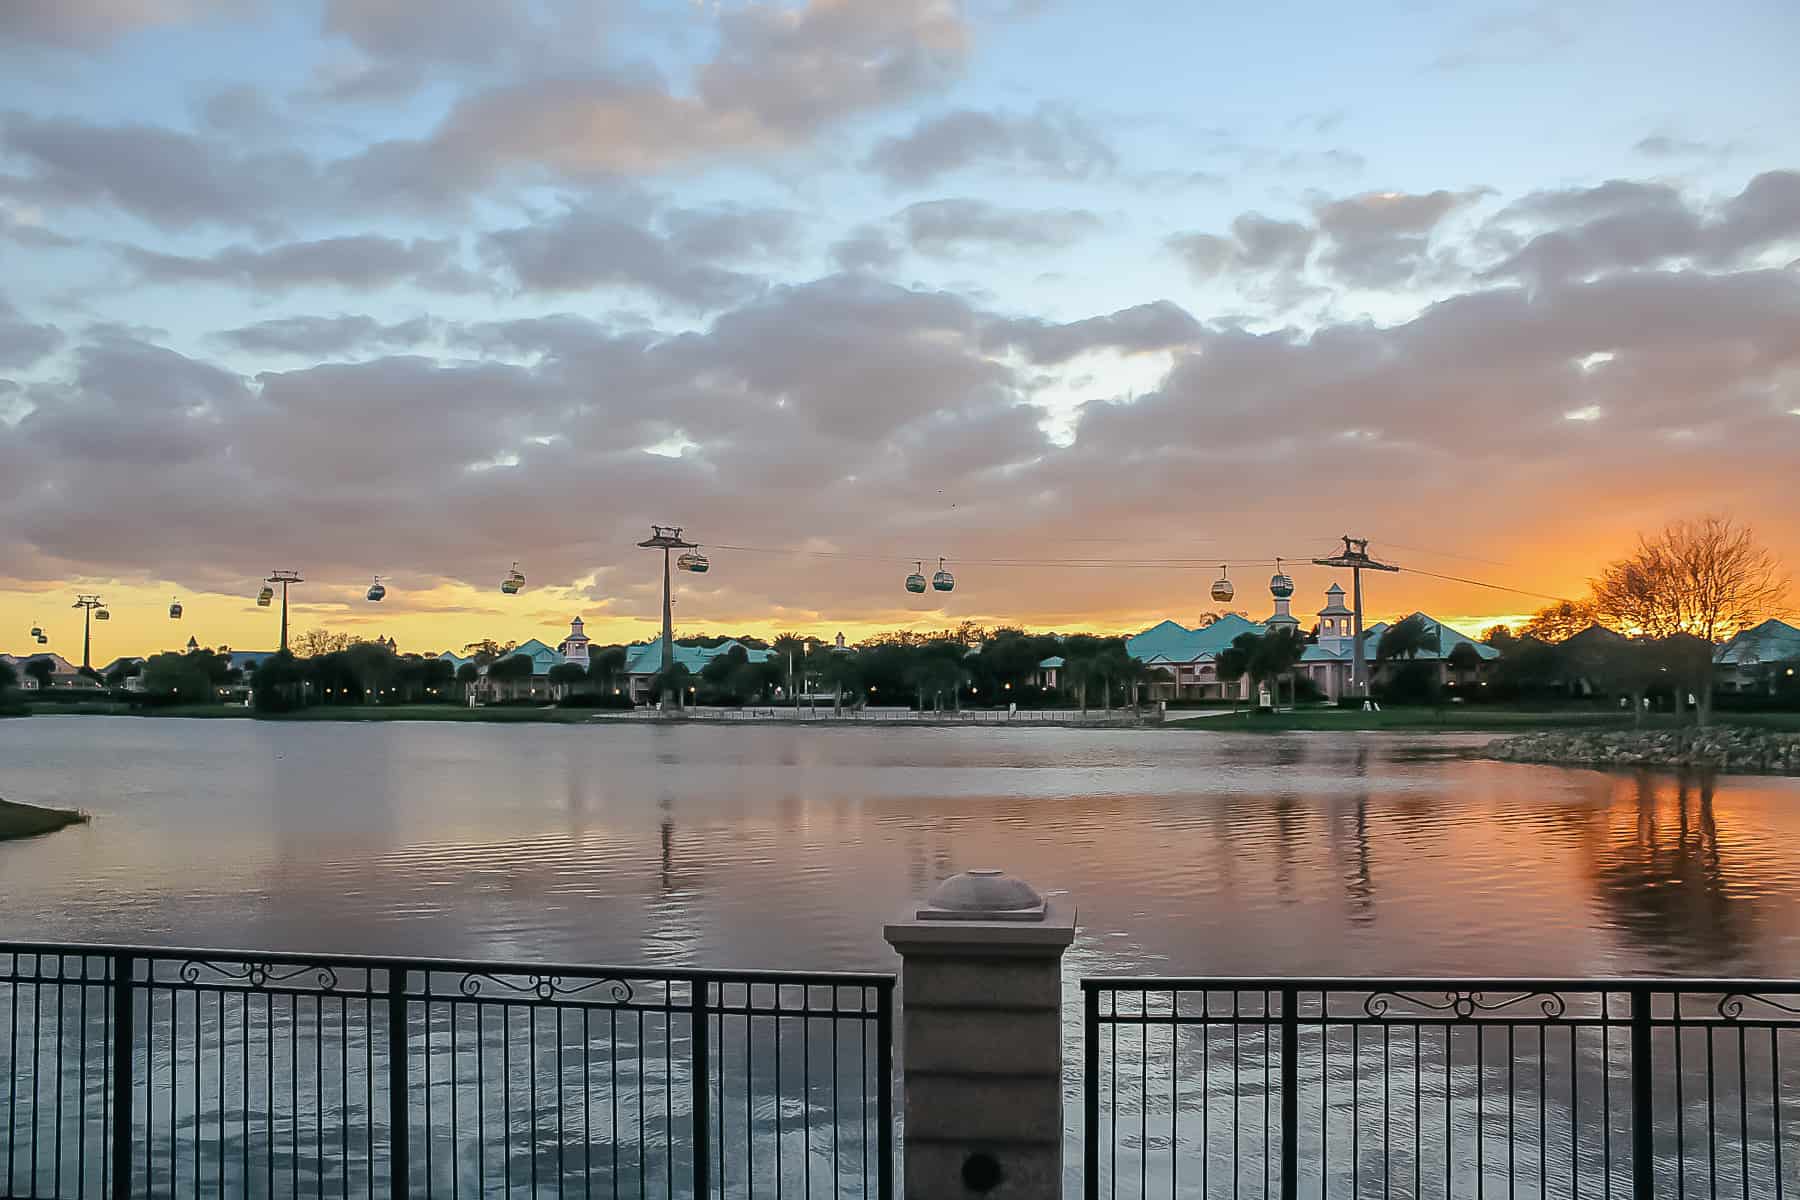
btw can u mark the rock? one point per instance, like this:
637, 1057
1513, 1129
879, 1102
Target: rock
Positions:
1735, 748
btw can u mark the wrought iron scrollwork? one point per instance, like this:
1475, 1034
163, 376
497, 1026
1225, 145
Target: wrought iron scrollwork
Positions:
550, 987
1466, 1005
1732, 1004
259, 974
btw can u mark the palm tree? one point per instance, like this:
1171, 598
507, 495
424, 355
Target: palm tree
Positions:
604, 666
1233, 663
674, 680
1276, 654
841, 673
789, 646
1134, 675
1407, 639
932, 675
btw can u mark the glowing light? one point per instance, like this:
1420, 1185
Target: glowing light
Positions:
672, 447
1590, 413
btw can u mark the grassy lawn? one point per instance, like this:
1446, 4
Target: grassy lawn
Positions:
28, 820
1463, 718
330, 712
1449, 718
434, 712
1769, 720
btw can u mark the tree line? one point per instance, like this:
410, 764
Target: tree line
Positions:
1651, 620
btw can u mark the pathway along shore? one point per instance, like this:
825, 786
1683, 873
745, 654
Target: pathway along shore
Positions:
1733, 748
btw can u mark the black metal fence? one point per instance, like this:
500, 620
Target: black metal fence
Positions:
1445, 1088
156, 1072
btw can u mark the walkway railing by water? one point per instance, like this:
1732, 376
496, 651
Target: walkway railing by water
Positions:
155, 1072
1440, 1088
902, 716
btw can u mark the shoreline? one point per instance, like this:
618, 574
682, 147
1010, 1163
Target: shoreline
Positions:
1458, 719
1737, 749
30, 820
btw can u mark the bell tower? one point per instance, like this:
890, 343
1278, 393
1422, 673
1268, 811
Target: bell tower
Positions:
575, 647
1336, 628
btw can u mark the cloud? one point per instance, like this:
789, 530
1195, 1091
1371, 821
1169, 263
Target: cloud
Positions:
1383, 239
779, 76
1142, 329
1484, 374
361, 263
1625, 225
589, 246
325, 337
25, 227
1662, 145
948, 227
21, 342
1257, 244
132, 404
89, 25
865, 248
1051, 141
244, 110
851, 415
458, 32
171, 179
728, 234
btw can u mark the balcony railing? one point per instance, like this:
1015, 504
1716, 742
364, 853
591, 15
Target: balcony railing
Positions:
1440, 1088
154, 1072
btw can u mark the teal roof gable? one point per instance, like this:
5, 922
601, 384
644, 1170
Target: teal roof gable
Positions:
647, 658
1772, 641
1172, 642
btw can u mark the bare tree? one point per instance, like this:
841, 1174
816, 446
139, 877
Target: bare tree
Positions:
316, 643
1560, 621
1709, 578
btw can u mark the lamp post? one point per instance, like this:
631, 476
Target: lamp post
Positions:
1355, 555
90, 603
666, 538
284, 578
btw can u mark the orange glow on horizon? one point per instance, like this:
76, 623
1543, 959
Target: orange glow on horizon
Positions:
451, 616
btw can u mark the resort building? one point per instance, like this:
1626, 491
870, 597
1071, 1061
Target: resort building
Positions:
643, 662
1764, 659
1187, 659
63, 673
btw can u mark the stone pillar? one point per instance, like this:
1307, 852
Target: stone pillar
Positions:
981, 1040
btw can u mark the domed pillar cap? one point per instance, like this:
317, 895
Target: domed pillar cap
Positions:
983, 894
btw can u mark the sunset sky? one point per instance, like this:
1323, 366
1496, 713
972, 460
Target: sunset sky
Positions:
364, 287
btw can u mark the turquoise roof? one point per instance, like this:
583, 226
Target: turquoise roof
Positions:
542, 657
1055, 660
1772, 641
647, 658
1448, 639
1172, 642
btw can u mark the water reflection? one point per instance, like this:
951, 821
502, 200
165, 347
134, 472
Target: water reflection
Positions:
1659, 869
1185, 852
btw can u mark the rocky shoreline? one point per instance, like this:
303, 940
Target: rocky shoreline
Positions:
1734, 748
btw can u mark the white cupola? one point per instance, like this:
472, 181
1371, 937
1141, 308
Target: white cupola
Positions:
575, 647
1336, 625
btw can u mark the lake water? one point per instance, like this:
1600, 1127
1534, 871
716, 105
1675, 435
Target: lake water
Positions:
777, 847
1184, 852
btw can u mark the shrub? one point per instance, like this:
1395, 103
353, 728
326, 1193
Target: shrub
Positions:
595, 700
1409, 682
